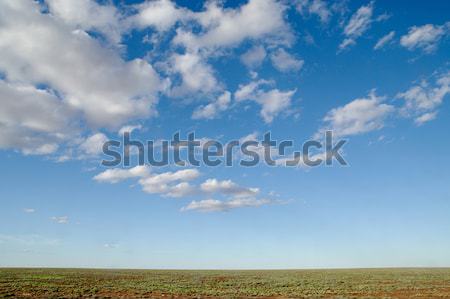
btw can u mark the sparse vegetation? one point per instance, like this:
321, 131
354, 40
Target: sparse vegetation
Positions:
352, 283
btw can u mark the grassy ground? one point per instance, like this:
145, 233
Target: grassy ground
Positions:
361, 283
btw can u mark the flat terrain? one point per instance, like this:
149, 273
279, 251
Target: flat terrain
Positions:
355, 283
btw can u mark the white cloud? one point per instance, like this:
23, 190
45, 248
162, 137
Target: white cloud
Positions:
129, 129
89, 77
171, 184
273, 101
229, 27
254, 57
93, 145
116, 175
227, 187
214, 205
285, 62
176, 184
359, 116
161, 14
89, 15
357, 25
384, 40
422, 100
429, 116
424, 37
197, 76
316, 7
213, 109
60, 219
29, 210
32, 120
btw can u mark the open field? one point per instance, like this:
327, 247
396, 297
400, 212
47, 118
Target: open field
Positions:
352, 283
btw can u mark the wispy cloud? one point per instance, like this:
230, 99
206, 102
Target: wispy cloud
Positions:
426, 37
382, 42
60, 219
358, 24
422, 100
213, 205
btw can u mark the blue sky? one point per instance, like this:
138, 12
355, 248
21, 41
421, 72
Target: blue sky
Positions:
74, 74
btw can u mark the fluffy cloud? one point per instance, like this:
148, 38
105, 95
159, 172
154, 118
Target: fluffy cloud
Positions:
273, 101
384, 40
160, 14
89, 15
116, 175
359, 116
197, 76
424, 37
214, 205
32, 120
254, 57
212, 110
222, 29
285, 62
90, 78
422, 100
93, 145
357, 25
229, 27
172, 184
177, 184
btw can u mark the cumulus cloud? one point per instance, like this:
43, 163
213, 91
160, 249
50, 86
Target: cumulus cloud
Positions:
358, 24
196, 75
178, 184
221, 29
422, 100
213, 109
426, 37
384, 40
171, 184
272, 101
116, 175
32, 120
285, 62
106, 89
160, 14
254, 57
361, 115
229, 27
89, 15
93, 145
214, 205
